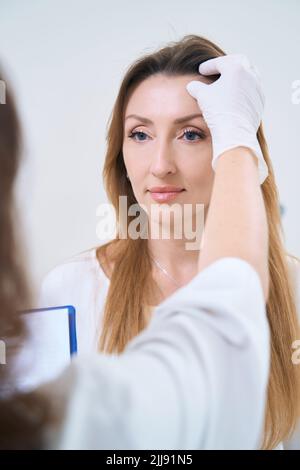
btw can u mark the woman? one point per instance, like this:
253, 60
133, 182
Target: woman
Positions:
170, 388
114, 286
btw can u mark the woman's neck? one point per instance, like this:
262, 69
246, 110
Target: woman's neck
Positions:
172, 256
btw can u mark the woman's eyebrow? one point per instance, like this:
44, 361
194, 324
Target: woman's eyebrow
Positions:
177, 121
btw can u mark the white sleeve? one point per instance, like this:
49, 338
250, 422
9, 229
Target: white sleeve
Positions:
196, 378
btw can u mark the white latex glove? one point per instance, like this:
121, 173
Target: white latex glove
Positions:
232, 106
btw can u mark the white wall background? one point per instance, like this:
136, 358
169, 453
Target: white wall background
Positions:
66, 59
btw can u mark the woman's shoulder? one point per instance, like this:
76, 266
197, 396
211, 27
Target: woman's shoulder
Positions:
79, 272
81, 282
84, 262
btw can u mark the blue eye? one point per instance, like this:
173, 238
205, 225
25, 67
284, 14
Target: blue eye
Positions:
133, 134
200, 134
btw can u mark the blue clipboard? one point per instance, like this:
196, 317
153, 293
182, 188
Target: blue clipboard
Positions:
72, 323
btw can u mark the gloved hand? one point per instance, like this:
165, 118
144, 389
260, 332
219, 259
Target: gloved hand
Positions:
232, 106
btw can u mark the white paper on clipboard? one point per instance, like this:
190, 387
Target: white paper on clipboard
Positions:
46, 350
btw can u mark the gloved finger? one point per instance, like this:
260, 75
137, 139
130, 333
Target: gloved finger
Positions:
223, 64
212, 66
195, 88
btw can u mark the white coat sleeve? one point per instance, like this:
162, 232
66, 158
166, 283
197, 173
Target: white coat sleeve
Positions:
196, 378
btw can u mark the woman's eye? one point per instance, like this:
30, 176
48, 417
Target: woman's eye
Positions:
133, 134
200, 134
187, 132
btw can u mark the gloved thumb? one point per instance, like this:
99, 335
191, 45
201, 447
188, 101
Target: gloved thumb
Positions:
195, 88
211, 66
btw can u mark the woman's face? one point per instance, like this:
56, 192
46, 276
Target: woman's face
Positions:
163, 152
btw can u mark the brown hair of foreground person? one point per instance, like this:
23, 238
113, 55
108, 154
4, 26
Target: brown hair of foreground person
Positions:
131, 283
22, 417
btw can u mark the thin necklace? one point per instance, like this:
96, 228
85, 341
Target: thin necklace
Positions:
165, 272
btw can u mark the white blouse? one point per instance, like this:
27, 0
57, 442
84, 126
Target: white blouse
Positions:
80, 281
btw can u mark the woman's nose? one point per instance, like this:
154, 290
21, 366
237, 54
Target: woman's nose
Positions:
162, 162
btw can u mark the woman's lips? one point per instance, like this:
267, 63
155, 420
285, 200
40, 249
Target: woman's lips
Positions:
165, 196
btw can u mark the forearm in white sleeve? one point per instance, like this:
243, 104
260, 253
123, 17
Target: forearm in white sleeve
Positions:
196, 378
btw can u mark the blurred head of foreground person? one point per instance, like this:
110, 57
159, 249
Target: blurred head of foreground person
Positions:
152, 85
22, 417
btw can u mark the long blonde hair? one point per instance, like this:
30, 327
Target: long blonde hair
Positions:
131, 282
